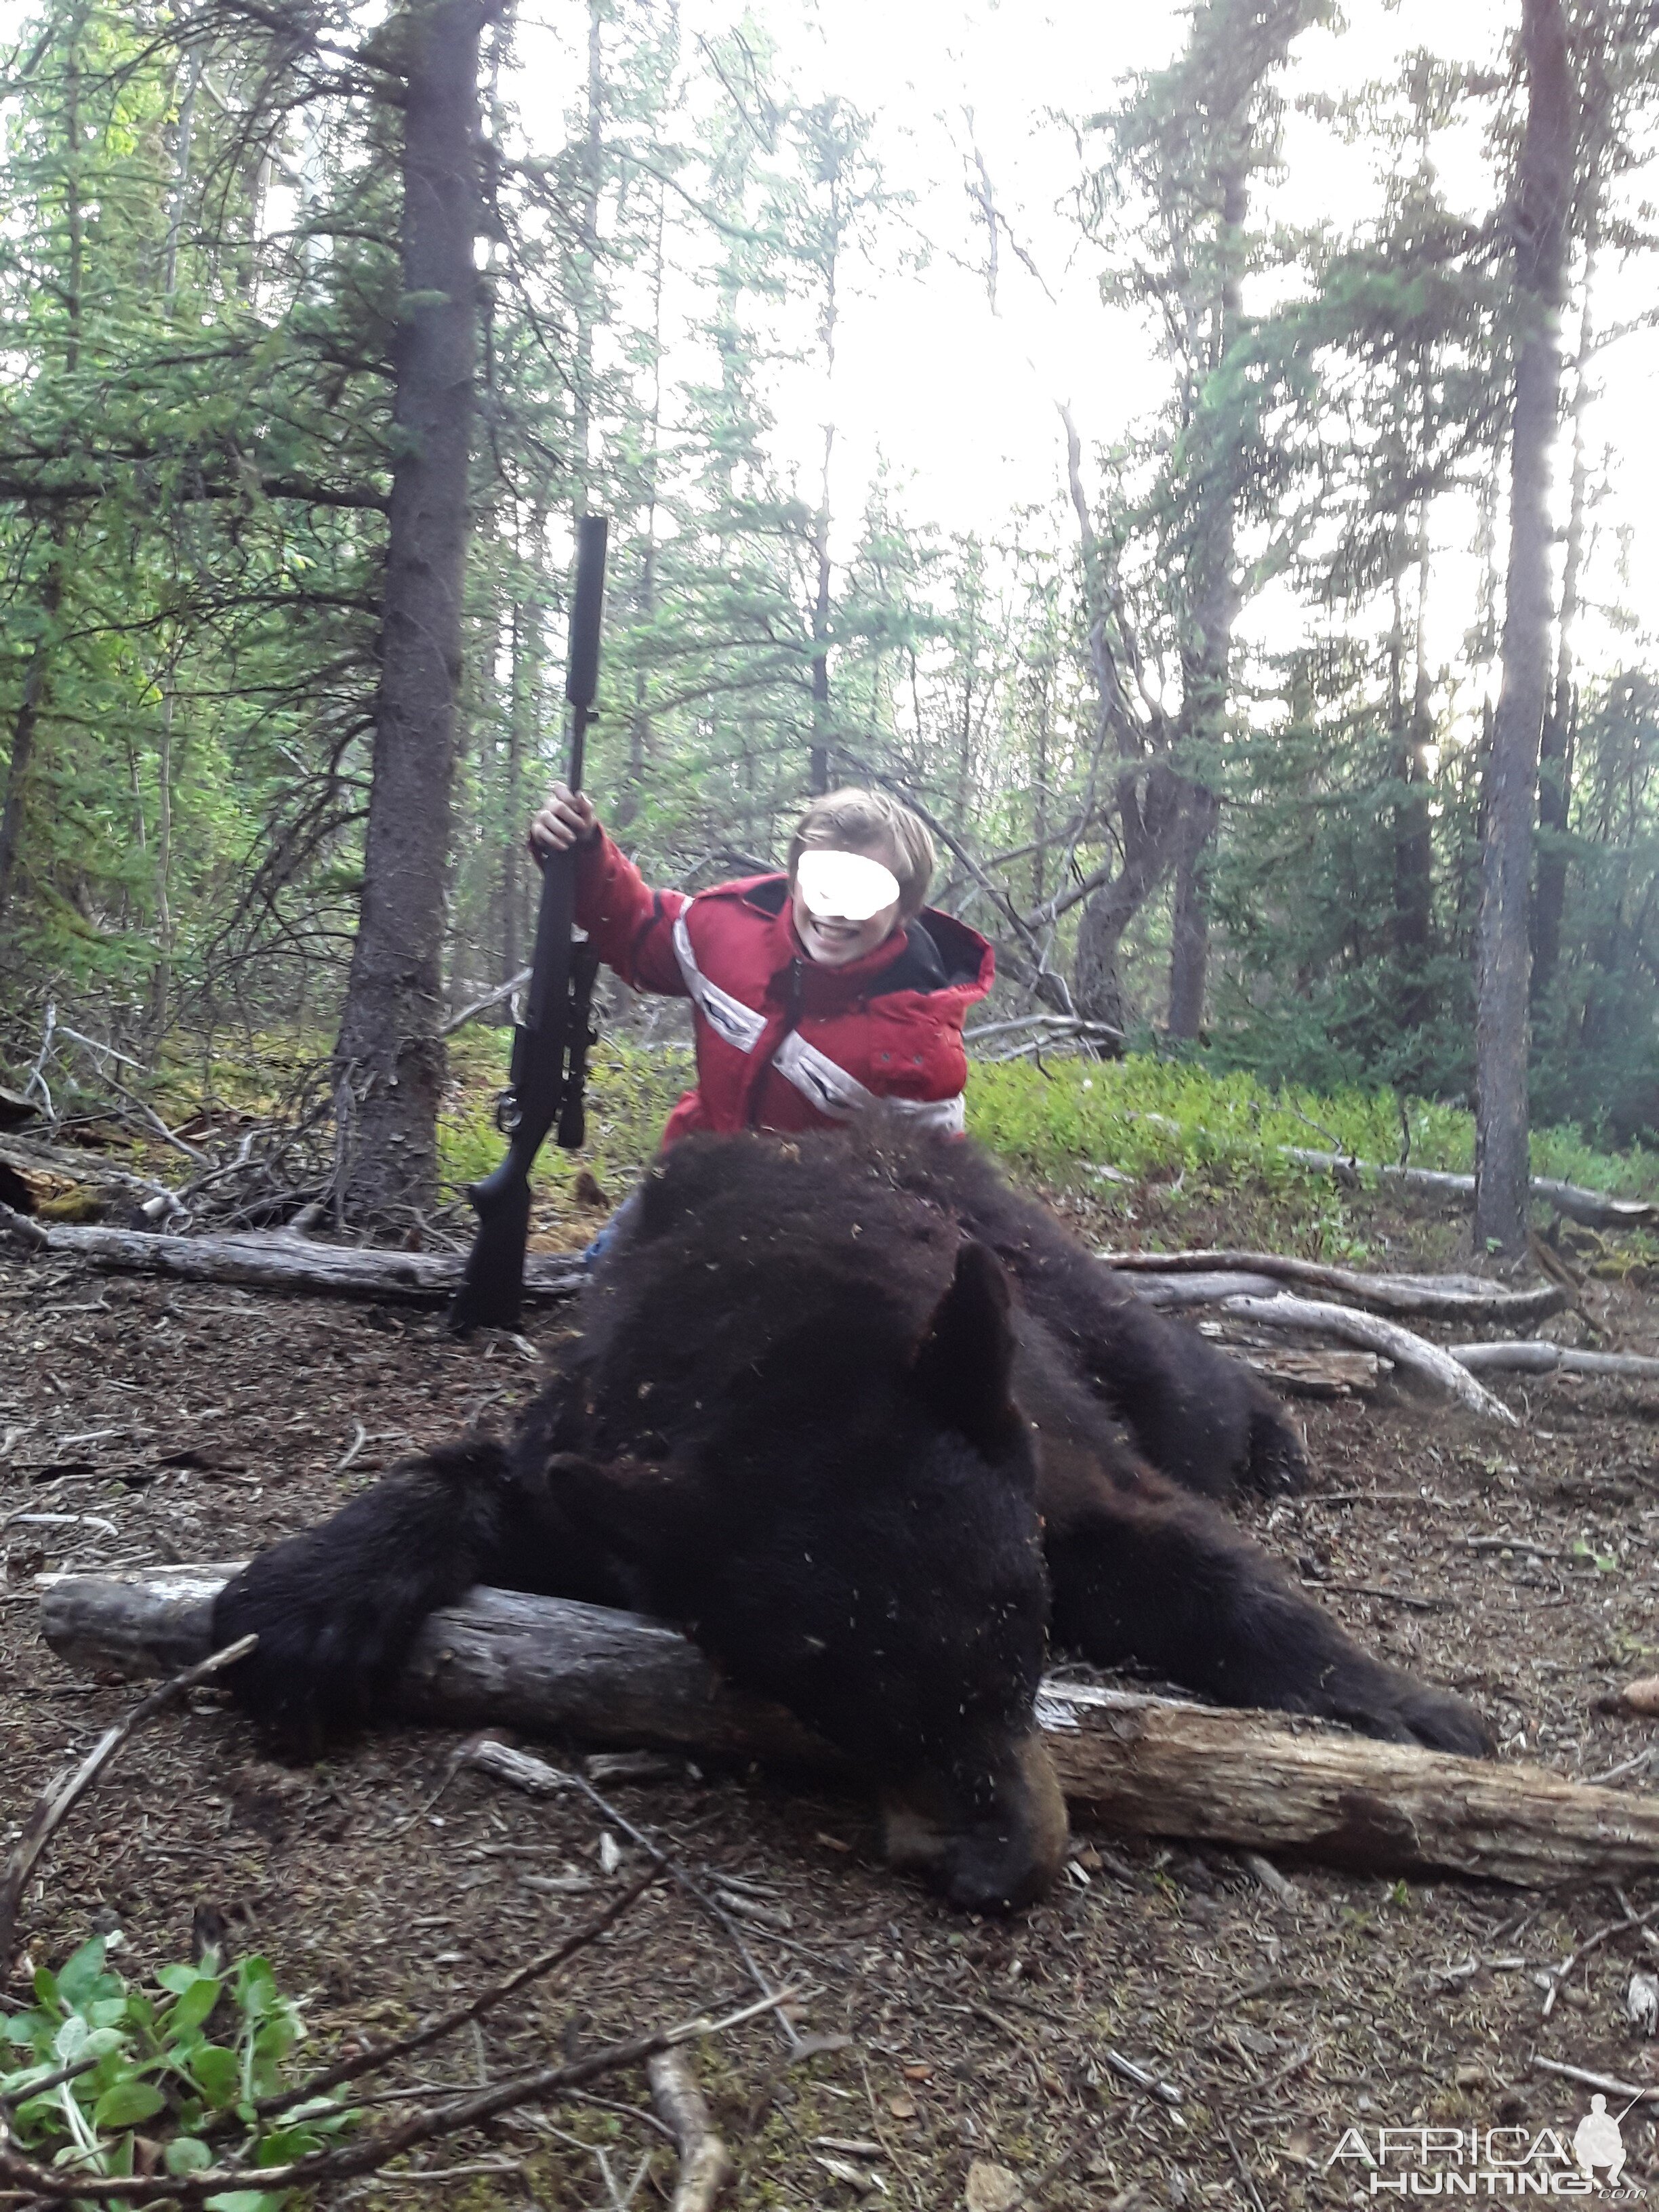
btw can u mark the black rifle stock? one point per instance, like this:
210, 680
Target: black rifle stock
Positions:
549, 1045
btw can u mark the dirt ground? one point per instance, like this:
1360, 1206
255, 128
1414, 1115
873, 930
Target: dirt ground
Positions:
198, 1423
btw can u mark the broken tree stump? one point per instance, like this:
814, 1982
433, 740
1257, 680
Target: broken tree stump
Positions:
1143, 1764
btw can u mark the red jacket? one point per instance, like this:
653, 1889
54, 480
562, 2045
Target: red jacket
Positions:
782, 1043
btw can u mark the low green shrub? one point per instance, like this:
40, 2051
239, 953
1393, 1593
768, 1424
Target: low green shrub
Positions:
212, 2042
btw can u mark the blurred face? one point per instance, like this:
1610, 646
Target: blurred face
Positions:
830, 904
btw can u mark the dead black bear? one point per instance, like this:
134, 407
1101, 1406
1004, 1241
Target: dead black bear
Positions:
804, 1418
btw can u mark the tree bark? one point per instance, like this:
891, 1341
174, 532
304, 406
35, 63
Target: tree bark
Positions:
1556, 751
1596, 1209
274, 1261
1148, 791
817, 775
390, 1060
1543, 199
1539, 1356
1412, 1352
1418, 1297
1189, 914
1213, 605
30, 708
1141, 1764
37, 678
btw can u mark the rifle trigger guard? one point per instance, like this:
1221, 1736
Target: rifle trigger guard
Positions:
508, 1112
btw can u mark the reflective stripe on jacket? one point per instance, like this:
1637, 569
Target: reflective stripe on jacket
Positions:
782, 1043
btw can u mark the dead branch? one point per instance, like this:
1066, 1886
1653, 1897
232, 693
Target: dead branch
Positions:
1594, 1209
1609, 2082
705, 2163
490, 1755
482, 1005
1422, 1297
370, 2153
382, 2055
276, 1261
1143, 1765
1536, 1356
1415, 1354
1171, 1292
56, 1800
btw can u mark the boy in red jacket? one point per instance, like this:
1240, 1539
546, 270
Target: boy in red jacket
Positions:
815, 992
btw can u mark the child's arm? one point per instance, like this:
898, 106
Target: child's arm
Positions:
631, 925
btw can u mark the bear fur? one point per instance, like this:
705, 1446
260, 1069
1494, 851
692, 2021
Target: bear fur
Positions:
872, 1427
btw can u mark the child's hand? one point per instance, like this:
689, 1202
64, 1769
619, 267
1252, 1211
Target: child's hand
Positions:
566, 818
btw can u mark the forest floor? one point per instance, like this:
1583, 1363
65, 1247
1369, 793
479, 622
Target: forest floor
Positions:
198, 1422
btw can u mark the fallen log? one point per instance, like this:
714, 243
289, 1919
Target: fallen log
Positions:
1143, 1764
1537, 1356
1171, 1292
1415, 1354
30, 1157
1419, 1297
1594, 1209
275, 1261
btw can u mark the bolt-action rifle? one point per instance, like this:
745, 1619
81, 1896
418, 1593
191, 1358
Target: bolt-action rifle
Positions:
550, 1044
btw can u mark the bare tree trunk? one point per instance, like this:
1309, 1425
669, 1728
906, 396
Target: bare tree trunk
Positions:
818, 764
1190, 921
1207, 673
29, 709
1148, 790
1555, 760
1543, 201
37, 678
586, 304
390, 1058
1415, 856
639, 730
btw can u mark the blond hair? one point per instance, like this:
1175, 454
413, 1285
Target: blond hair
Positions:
855, 821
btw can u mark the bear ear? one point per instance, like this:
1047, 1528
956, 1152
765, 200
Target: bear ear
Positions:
964, 1364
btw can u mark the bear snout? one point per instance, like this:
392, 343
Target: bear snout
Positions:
995, 1844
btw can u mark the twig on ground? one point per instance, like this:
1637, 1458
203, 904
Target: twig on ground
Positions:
705, 2163
433, 2031
526, 1771
1126, 2071
1630, 1925
1609, 2082
40, 2087
60, 1795
1243, 2171
371, 2152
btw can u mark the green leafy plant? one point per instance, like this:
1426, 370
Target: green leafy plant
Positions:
160, 2070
